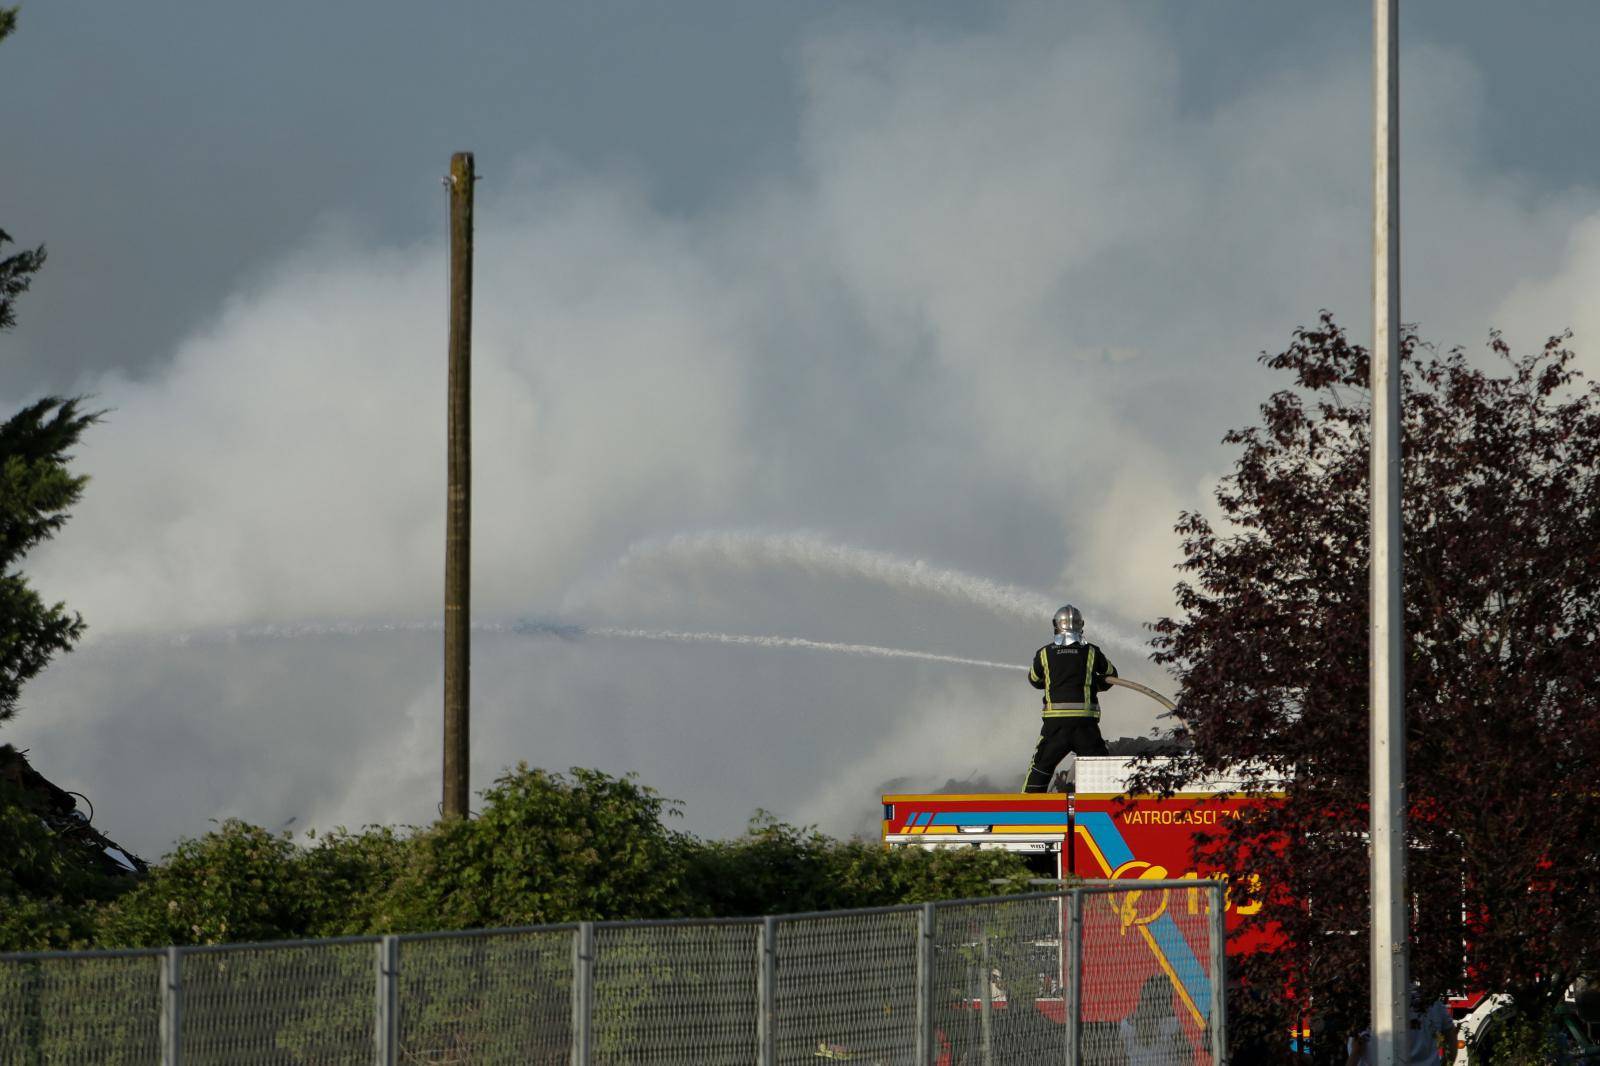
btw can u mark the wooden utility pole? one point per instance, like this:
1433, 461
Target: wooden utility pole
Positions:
458, 508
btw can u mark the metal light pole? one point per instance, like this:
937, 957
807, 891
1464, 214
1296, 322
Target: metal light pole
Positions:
1388, 716
458, 498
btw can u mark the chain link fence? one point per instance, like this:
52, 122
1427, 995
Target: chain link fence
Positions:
100, 1009
1106, 974
494, 996
1152, 984
999, 981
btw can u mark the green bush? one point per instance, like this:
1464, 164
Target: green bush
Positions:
238, 882
544, 848
241, 882
346, 876
777, 868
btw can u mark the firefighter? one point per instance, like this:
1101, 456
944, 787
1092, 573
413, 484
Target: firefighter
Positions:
1072, 673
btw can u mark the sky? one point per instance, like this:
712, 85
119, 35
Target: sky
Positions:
893, 325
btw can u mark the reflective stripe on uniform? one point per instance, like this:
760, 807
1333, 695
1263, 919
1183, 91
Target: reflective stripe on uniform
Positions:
1078, 712
1088, 679
1044, 660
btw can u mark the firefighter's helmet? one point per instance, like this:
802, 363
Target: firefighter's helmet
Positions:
1069, 625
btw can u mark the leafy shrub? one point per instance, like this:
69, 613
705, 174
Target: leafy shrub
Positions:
241, 882
545, 848
777, 868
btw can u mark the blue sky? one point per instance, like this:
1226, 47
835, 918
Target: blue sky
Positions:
772, 299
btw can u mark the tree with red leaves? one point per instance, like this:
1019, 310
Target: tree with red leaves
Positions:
1501, 513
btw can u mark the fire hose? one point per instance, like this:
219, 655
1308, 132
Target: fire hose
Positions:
1152, 693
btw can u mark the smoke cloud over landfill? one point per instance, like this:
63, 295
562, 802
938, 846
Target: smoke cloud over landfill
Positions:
777, 485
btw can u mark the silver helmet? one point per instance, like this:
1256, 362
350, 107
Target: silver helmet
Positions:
1069, 625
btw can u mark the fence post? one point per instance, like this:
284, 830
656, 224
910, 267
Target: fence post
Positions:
1219, 975
1074, 997
33, 1025
767, 994
926, 921
386, 1030
987, 1012
582, 993
172, 1007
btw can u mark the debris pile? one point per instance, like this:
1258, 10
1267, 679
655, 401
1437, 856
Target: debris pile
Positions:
58, 809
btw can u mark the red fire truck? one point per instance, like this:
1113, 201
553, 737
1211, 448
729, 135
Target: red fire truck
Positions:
1095, 831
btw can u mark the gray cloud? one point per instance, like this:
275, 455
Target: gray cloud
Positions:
994, 318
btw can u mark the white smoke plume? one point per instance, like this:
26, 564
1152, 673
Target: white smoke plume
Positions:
997, 313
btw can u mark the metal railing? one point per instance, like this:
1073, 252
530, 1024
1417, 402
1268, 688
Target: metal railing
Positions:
1110, 972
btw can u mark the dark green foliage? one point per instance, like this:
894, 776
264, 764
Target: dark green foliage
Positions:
17, 269
49, 874
871, 875
36, 491
243, 883
239, 882
779, 869
545, 848
345, 875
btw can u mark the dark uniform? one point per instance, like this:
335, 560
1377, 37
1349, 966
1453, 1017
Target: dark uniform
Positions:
1072, 676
